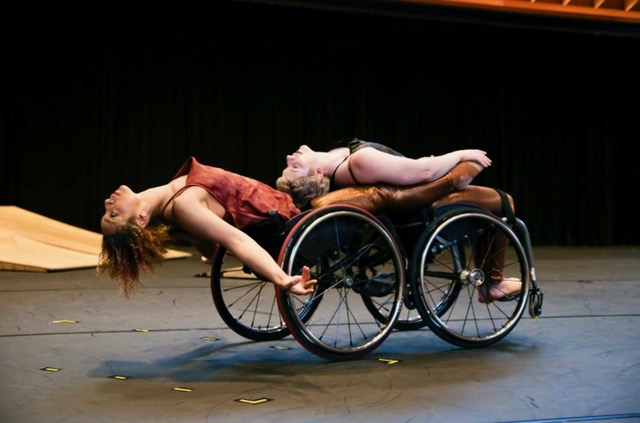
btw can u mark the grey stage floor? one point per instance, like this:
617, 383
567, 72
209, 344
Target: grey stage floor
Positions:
64, 337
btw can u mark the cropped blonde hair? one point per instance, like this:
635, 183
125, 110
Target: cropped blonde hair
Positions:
304, 189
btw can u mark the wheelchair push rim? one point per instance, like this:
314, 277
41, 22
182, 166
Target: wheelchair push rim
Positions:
356, 262
449, 275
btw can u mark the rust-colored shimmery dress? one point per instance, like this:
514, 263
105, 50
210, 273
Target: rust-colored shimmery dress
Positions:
246, 200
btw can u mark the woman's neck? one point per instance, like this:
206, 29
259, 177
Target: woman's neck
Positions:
153, 199
333, 158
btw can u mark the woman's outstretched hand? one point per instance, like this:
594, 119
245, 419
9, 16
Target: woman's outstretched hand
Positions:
301, 284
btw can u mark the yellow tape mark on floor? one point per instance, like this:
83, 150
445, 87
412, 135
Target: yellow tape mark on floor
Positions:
254, 401
277, 347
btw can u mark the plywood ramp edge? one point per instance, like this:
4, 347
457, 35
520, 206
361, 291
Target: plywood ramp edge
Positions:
35, 243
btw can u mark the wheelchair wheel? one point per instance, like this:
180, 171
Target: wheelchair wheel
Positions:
356, 263
450, 272
246, 302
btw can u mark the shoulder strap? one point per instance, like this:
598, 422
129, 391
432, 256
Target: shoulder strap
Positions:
333, 174
353, 176
173, 197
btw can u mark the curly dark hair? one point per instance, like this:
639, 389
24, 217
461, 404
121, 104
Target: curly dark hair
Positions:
131, 249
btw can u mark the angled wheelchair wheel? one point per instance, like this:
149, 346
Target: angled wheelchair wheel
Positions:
357, 263
245, 301
450, 272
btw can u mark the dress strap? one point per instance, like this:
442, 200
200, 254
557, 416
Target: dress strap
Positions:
333, 174
353, 176
173, 197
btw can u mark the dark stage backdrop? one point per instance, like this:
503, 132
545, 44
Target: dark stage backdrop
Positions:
92, 100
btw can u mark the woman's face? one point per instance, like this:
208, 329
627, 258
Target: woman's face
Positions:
300, 163
120, 208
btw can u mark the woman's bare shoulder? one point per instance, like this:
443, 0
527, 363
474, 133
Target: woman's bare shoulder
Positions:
194, 196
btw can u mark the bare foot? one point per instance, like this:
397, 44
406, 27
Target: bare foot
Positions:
489, 293
464, 172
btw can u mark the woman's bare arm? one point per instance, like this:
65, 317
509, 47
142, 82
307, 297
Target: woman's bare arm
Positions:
372, 166
193, 214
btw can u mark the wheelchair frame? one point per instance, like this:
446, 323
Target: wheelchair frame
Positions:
377, 274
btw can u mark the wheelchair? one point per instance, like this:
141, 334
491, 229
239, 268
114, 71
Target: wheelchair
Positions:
380, 273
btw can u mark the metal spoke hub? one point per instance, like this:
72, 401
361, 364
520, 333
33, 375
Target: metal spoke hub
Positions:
472, 277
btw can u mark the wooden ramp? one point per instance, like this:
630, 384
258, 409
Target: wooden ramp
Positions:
35, 243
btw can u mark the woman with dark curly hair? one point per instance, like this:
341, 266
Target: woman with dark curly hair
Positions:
203, 204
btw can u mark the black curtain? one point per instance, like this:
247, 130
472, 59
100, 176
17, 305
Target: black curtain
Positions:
92, 100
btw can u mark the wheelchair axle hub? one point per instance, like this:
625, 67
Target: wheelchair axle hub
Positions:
348, 282
472, 276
